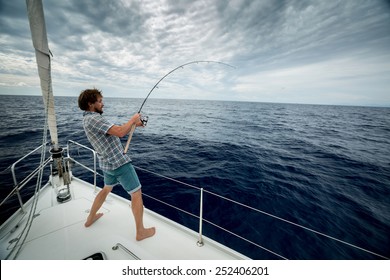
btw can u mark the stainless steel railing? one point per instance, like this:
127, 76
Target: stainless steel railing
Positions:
71, 142
200, 217
248, 208
19, 185
127, 251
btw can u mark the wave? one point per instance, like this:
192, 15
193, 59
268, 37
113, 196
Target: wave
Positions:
325, 167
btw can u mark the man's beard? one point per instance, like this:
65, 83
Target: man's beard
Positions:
99, 111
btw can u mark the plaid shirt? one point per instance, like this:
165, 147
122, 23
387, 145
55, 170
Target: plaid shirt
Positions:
108, 147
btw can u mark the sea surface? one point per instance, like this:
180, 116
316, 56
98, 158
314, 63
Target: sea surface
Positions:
326, 168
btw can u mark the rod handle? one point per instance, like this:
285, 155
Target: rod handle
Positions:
129, 139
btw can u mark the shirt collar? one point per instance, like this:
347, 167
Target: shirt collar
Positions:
89, 113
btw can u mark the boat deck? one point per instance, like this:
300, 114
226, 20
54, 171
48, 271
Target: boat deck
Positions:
58, 232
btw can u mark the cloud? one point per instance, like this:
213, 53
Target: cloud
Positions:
336, 81
126, 46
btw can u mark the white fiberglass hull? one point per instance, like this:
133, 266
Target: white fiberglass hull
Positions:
58, 233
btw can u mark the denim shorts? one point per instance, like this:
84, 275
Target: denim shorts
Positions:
124, 175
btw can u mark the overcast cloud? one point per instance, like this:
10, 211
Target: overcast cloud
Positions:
321, 52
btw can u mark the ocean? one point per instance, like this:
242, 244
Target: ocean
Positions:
326, 168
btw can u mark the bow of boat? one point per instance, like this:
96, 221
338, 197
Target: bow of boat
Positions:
57, 231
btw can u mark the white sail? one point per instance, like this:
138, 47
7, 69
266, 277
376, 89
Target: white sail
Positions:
42, 52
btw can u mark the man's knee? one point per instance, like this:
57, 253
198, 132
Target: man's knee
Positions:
136, 194
106, 189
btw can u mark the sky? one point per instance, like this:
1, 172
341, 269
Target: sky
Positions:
295, 51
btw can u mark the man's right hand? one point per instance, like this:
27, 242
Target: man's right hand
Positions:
136, 119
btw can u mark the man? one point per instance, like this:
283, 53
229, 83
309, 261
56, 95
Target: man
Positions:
116, 166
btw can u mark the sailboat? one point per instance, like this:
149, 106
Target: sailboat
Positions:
50, 225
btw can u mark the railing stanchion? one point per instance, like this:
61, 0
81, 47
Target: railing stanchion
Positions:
95, 173
94, 169
200, 240
17, 188
16, 182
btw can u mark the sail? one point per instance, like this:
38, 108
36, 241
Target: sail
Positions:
42, 53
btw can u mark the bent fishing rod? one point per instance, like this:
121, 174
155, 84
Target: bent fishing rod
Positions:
144, 120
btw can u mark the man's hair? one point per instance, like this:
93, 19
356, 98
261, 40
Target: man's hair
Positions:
88, 96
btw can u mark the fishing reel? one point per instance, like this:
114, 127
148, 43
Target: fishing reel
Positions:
144, 120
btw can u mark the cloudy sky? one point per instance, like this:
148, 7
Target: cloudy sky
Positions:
295, 51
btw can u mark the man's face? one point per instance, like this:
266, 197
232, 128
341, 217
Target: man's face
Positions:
98, 106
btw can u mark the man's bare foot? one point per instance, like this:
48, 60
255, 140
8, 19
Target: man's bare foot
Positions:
91, 220
147, 232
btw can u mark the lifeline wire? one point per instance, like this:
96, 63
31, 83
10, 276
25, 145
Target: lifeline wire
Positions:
256, 210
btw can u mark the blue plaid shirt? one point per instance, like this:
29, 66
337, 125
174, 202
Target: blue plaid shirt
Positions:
108, 147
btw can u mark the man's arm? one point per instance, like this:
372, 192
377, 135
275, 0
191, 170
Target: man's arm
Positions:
124, 129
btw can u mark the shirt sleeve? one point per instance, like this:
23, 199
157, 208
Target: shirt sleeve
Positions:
99, 124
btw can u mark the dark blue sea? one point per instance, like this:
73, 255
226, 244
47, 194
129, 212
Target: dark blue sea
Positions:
326, 168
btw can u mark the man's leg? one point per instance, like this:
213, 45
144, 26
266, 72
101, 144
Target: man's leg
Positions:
137, 206
97, 203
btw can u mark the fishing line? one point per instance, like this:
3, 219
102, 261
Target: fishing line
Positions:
145, 119
178, 67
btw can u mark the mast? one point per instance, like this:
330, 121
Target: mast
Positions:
39, 37
42, 53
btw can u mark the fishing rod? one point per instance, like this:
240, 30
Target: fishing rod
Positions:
145, 119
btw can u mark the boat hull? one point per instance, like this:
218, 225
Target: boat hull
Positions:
57, 231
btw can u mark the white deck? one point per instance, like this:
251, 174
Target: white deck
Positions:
58, 232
